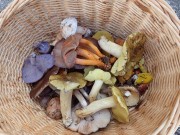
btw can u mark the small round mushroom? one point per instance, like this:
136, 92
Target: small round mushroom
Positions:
53, 108
131, 95
68, 27
100, 77
116, 102
66, 84
35, 66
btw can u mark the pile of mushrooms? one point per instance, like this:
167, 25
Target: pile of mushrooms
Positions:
87, 79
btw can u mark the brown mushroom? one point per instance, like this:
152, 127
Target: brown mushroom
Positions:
53, 108
43, 83
66, 52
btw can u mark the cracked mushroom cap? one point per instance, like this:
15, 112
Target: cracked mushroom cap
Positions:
98, 74
68, 27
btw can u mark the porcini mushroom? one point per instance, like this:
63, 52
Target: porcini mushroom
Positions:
92, 123
100, 77
115, 102
132, 52
110, 47
131, 95
35, 66
68, 27
66, 84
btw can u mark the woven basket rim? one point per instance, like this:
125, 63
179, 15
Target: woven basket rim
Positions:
152, 6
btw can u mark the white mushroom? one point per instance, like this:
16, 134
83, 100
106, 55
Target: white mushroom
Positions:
92, 123
68, 27
110, 47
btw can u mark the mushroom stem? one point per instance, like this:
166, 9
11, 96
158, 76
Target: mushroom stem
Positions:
84, 94
95, 90
96, 106
80, 98
91, 45
87, 54
90, 62
65, 100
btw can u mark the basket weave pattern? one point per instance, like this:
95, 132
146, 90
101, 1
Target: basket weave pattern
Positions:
25, 22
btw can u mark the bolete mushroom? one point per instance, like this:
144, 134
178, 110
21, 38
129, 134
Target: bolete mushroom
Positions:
66, 84
115, 102
132, 53
91, 123
131, 95
35, 66
100, 77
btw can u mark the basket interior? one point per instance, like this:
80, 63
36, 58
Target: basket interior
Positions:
40, 19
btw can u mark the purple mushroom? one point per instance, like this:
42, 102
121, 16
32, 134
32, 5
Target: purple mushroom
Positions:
35, 66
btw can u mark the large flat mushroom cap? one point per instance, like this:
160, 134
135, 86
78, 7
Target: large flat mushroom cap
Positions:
35, 66
44, 62
30, 73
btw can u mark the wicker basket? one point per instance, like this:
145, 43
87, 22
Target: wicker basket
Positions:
25, 22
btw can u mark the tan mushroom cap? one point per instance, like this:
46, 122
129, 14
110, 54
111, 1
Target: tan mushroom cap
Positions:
120, 112
67, 82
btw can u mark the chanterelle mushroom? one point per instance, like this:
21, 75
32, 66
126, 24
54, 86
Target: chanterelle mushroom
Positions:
66, 84
92, 123
116, 102
100, 77
35, 66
